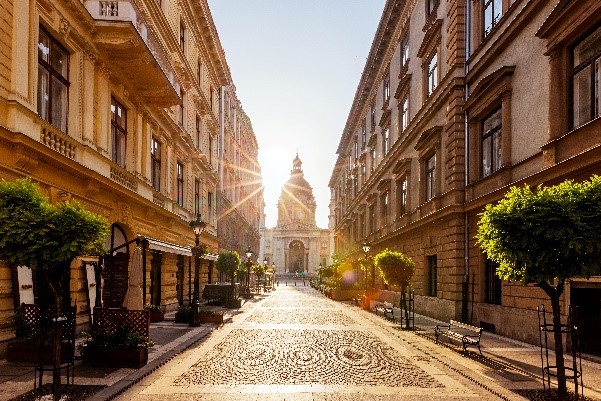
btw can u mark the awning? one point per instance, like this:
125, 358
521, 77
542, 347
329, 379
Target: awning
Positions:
169, 248
209, 256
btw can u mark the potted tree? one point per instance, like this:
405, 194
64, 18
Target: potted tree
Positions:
228, 263
396, 269
546, 237
47, 238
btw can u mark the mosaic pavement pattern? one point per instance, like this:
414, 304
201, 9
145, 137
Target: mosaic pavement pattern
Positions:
300, 316
340, 357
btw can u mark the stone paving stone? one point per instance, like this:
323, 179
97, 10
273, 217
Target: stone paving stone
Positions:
297, 345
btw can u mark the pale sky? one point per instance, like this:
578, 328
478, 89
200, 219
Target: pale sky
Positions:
296, 65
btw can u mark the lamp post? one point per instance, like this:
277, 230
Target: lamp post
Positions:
198, 225
249, 264
366, 247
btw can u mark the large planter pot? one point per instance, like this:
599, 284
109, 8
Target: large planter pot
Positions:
233, 303
19, 351
156, 316
217, 319
135, 358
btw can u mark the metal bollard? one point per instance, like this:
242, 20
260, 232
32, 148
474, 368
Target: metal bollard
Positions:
195, 321
295, 283
286, 284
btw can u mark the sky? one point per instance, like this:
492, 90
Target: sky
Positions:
296, 65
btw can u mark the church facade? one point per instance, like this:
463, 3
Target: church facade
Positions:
296, 246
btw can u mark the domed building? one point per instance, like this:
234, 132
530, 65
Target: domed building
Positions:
296, 245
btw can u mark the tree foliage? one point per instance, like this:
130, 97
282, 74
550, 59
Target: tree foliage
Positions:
43, 236
547, 234
228, 263
395, 268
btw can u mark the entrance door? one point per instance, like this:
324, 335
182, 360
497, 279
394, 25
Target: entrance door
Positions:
155, 277
296, 252
115, 270
588, 303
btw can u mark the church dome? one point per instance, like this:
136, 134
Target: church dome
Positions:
296, 203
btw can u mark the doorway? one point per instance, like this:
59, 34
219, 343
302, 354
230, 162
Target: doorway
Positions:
587, 302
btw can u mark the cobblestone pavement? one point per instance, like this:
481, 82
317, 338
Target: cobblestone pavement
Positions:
297, 345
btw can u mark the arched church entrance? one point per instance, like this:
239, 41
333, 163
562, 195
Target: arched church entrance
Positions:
296, 257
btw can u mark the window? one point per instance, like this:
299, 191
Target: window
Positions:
211, 95
432, 73
155, 161
586, 79
199, 71
385, 141
491, 143
198, 125
492, 285
430, 7
211, 151
432, 276
405, 50
118, 131
182, 36
384, 208
386, 89
356, 150
180, 184
402, 196
404, 113
373, 159
181, 109
372, 218
210, 204
362, 233
197, 196
493, 9
430, 177
373, 116
53, 82
363, 136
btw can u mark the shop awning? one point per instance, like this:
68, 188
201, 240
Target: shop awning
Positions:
158, 245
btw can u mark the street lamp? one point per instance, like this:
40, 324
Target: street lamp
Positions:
366, 247
198, 225
249, 264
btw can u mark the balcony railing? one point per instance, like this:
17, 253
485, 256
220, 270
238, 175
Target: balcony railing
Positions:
58, 141
109, 8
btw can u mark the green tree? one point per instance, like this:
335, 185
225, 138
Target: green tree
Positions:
228, 262
47, 238
396, 269
546, 237
259, 270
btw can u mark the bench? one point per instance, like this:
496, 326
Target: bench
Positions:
468, 335
384, 309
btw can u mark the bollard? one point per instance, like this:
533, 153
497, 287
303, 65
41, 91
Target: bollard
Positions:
286, 284
304, 285
195, 321
295, 283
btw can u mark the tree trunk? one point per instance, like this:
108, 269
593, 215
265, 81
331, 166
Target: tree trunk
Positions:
554, 294
56, 339
405, 310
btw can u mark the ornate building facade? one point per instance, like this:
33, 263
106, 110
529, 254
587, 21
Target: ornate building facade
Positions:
240, 189
296, 245
458, 101
119, 105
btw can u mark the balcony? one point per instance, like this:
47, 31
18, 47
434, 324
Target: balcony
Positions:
132, 53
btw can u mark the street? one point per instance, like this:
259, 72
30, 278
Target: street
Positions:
295, 344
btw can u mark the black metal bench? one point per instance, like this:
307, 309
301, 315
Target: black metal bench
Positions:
468, 335
384, 309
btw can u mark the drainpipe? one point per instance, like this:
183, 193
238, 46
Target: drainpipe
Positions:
466, 275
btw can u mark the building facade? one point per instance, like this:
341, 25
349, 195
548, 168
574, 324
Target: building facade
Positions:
117, 105
458, 102
296, 246
240, 188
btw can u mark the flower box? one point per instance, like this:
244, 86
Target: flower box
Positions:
28, 352
217, 319
156, 316
116, 358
